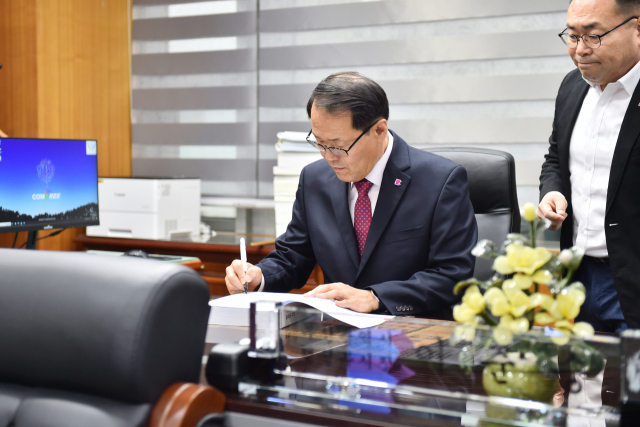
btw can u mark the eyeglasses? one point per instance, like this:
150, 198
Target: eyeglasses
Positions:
335, 150
592, 41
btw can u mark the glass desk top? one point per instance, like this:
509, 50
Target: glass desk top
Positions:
409, 371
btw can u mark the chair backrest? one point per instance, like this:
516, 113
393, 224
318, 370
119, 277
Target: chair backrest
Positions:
492, 188
116, 328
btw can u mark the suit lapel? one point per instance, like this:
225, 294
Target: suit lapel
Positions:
579, 92
340, 201
626, 139
389, 196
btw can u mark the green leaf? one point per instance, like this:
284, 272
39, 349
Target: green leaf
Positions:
523, 346
545, 349
596, 365
466, 283
548, 366
586, 359
494, 282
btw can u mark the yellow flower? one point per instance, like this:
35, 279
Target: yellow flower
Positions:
542, 276
472, 303
523, 281
497, 301
543, 318
517, 326
583, 330
463, 313
541, 300
464, 333
563, 338
503, 336
519, 300
523, 259
564, 324
502, 265
530, 212
473, 298
568, 303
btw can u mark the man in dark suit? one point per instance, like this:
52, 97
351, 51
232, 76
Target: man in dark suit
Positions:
591, 177
391, 226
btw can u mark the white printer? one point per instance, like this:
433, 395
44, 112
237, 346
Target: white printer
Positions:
147, 208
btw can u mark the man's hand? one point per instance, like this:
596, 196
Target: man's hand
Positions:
235, 278
360, 300
553, 207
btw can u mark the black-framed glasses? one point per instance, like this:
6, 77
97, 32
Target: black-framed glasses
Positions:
336, 150
592, 41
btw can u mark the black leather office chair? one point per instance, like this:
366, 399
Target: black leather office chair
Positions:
98, 341
492, 188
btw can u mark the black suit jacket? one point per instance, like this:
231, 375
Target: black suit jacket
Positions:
622, 215
419, 243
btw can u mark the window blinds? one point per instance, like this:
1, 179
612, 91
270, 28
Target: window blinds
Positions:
213, 82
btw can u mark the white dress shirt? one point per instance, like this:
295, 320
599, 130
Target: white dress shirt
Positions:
593, 142
375, 177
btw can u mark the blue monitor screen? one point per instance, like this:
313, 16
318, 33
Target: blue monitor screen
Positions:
47, 183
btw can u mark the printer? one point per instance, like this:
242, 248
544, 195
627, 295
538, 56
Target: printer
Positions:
148, 208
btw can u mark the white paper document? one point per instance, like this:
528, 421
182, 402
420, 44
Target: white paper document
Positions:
233, 310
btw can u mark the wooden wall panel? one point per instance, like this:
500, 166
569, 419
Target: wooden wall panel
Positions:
18, 89
83, 77
78, 81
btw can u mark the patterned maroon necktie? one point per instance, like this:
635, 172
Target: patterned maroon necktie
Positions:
362, 213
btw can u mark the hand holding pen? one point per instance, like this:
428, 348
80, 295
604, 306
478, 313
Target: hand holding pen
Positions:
243, 259
242, 276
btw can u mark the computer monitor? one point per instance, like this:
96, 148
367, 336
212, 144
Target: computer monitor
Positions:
47, 183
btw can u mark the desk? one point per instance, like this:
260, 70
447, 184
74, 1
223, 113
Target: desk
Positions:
431, 388
216, 254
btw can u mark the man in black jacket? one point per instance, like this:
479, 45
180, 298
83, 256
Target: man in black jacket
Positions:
591, 176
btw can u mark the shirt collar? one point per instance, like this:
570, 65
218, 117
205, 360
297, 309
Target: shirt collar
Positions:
375, 176
629, 81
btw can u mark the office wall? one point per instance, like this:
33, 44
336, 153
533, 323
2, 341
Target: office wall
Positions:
457, 72
66, 68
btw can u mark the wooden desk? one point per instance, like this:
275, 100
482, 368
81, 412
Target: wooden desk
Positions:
215, 257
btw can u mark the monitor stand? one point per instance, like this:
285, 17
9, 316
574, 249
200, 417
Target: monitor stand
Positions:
31, 239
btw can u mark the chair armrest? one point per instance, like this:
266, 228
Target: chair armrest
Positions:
185, 404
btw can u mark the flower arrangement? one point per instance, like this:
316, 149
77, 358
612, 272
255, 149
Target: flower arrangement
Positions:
531, 287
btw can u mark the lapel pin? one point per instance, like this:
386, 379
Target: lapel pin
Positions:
398, 182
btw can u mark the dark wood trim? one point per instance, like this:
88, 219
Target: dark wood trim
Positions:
185, 404
162, 245
215, 257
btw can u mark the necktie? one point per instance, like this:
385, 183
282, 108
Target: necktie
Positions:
362, 213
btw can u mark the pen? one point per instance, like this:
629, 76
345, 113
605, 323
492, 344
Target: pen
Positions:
243, 258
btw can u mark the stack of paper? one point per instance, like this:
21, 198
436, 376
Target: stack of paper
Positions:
294, 153
233, 310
